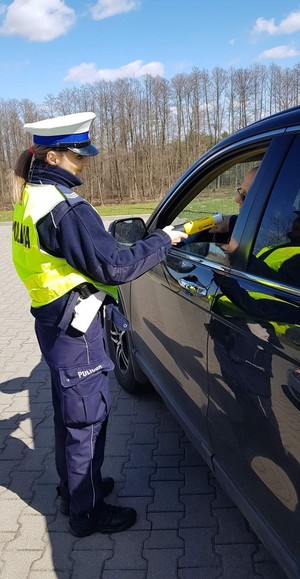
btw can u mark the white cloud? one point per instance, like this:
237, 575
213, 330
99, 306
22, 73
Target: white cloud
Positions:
88, 72
106, 8
38, 20
288, 25
279, 52
263, 25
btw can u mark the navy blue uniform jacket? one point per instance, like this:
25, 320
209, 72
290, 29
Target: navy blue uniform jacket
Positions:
76, 232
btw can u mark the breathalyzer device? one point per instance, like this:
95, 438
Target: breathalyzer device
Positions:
201, 224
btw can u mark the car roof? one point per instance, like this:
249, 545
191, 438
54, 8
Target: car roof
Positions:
277, 122
281, 120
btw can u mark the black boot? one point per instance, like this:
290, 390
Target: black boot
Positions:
64, 495
111, 520
108, 484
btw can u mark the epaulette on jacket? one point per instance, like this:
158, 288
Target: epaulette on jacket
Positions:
70, 196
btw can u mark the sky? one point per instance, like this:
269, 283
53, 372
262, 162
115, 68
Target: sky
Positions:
47, 46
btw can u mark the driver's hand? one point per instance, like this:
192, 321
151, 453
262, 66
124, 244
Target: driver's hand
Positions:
222, 227
176, 236
230, 247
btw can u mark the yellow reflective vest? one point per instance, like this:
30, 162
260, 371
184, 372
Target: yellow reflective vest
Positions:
46, 277
274, 256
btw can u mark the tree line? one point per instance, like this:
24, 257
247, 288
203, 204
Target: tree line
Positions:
149, 130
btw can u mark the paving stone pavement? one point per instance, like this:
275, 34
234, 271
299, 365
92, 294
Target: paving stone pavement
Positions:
187, 528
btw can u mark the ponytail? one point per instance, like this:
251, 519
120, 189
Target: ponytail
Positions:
23, 167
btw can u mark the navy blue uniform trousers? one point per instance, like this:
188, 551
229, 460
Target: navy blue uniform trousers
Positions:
80, 393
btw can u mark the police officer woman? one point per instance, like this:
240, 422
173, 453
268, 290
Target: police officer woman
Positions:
70, 265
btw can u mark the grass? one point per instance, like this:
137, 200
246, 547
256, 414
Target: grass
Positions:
208, 206
105, 210
218, 204
131, 209
5, 215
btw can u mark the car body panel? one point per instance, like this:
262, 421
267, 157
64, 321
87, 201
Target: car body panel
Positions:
175, 355
249, 361
220, 338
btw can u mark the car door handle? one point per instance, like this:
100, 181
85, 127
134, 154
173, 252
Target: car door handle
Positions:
192, 287
180, 266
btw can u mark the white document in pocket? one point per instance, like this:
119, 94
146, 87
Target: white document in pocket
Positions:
85, 311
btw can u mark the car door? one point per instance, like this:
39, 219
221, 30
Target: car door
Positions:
253, 364
170, 305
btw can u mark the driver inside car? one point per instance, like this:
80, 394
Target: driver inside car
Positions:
221, 232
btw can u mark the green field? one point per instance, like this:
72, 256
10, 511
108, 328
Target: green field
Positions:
106, 210
206, 206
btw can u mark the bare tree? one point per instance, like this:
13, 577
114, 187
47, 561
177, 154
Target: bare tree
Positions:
149, 130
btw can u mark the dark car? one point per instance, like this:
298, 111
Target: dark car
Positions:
216, 327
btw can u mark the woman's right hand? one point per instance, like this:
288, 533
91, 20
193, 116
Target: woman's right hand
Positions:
176, 236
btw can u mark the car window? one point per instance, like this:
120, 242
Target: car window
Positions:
276, 249
216, 198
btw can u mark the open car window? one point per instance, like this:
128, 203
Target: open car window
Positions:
216, 194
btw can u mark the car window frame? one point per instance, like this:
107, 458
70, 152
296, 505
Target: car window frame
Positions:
277, 146
272, 204
166, 209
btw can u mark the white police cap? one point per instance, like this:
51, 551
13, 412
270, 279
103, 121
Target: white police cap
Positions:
65, 132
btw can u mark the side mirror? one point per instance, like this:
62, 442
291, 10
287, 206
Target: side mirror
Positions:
128, 231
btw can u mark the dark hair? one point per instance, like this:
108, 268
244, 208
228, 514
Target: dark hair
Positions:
23, 166
24, 162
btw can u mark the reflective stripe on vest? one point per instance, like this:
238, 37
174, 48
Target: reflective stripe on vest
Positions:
276, 256
46, 277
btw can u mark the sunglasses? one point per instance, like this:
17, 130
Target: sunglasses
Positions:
242, 195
